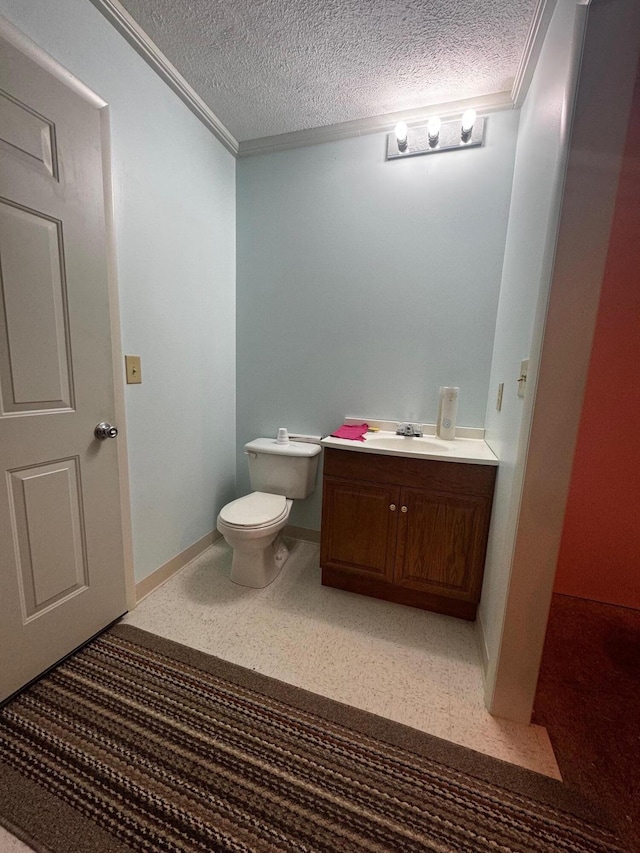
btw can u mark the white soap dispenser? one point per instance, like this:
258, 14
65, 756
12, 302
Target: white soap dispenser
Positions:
447, 412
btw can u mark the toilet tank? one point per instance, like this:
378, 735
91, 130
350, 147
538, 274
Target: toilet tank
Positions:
283, 469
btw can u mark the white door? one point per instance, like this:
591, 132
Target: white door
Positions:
61, 557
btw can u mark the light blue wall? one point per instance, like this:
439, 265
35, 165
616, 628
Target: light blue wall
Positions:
529, 253
175, 228
364, 285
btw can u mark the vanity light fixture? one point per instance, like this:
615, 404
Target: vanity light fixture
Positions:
436, 136
401, 132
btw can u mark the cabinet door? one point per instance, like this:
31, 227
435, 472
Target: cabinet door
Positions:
441, 543
359, 526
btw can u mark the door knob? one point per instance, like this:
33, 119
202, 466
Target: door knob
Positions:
105, 430
392, 507
403, 509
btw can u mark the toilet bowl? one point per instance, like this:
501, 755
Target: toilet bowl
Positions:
280, 472
251, 525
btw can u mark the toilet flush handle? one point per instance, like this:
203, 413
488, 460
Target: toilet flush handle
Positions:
251, 454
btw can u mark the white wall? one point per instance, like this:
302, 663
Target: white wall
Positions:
533, 222
564, 188
364, 285
174, 189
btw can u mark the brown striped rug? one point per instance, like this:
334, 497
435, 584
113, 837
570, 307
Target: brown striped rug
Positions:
136, 743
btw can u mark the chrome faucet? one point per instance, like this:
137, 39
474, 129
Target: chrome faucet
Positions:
409, 430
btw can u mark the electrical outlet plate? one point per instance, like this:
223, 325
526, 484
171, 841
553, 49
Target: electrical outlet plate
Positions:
134, 371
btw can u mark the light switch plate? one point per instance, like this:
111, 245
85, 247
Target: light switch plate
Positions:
134, 371
500, 393
522, 380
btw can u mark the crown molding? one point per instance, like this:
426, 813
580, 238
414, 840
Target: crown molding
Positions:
118, 16
531, 52
375, 124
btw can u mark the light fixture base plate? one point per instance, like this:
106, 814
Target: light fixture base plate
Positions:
449, 140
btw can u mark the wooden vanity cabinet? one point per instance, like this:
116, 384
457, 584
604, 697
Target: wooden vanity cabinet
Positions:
413, 531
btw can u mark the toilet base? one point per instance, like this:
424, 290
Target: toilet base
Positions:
258, 567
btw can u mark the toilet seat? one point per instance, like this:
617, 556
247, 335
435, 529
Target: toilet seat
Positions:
254, 511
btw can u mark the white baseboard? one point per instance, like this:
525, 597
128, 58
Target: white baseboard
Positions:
302, 533
147, 585
482, 648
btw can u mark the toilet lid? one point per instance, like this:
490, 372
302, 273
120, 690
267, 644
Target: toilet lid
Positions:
254, 510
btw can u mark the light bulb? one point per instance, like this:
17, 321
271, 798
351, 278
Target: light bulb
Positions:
466, 128
401, 132
468, 118
433, 129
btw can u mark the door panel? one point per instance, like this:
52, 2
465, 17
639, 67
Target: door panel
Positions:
27, 136
441, 543
61, 556
359, 527
34, 340
48, 534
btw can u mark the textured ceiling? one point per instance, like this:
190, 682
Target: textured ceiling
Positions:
267, 67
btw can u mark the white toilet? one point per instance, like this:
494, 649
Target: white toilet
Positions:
280, 472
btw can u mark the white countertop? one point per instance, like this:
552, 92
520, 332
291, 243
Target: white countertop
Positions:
469, 450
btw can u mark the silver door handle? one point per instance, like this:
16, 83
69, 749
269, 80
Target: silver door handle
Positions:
105, 430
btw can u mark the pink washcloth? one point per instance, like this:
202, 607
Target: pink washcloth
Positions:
353, 431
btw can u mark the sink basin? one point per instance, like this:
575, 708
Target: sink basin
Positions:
406, 444
387, 443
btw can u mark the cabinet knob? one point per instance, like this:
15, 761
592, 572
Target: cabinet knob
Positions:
403, 509
392, 507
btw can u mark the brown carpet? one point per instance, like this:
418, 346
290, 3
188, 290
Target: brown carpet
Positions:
138, 744
589, 699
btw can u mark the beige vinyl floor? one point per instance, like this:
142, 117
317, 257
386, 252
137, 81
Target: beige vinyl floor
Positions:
418, 668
